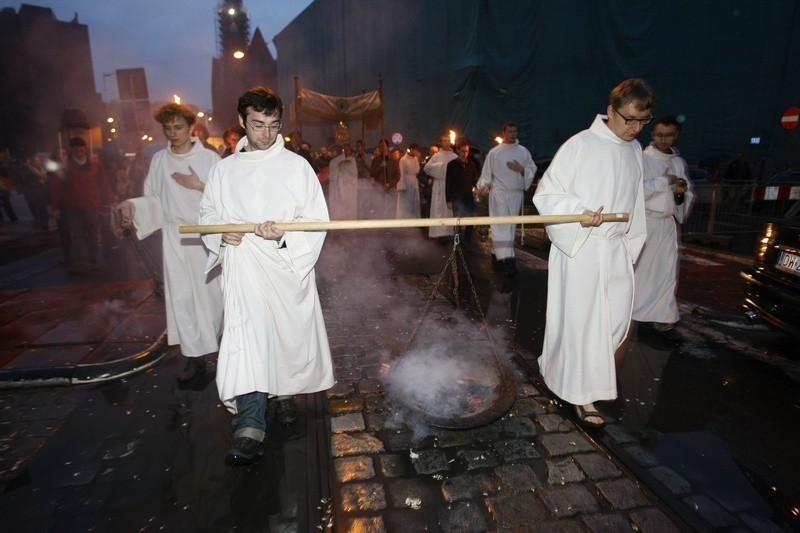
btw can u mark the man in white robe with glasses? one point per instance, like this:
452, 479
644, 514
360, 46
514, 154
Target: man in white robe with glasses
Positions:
274, 342
590, 283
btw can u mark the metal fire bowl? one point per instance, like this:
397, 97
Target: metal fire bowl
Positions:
494, 383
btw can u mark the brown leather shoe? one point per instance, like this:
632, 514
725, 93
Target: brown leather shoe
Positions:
194, 366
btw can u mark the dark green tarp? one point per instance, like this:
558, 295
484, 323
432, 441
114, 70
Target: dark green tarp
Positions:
727, 68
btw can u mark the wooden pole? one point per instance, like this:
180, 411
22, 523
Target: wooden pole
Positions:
402, 223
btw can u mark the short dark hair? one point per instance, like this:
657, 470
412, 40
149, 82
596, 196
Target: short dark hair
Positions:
509, 124
75, 142
634, 91
168, 112
668, 120
261, 99
413, 146
237, 130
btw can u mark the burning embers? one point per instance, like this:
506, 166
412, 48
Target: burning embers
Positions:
452, 385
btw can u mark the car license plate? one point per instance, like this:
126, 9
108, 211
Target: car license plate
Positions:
788, 263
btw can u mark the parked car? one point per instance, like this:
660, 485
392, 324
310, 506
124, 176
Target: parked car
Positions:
773, 282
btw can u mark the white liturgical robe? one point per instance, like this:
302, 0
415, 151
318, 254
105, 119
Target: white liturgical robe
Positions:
408, 188
508, 191
436, 168
657, 268
343, 188
192, 297
274, 339
590, 280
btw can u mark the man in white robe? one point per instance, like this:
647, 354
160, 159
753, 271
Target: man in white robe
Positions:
436, 168
408, 186
274, 341
507, 173
343, 185
590, 283
668, 198
172, 192
365, 183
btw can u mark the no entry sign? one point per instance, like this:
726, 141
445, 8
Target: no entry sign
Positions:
790, 118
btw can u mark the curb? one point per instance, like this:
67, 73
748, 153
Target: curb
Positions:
85, 373
740, 259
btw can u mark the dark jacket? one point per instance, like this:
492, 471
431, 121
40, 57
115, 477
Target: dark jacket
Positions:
388, 176
460, 178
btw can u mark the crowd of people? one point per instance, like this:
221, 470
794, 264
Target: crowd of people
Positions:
272, 343
72, 189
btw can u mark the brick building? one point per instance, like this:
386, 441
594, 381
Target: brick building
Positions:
46, 67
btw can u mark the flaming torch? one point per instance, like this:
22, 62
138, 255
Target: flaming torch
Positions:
452, 137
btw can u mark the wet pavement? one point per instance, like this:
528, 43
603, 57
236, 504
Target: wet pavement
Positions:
140, 452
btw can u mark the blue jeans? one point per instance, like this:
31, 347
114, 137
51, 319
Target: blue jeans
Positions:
251, 418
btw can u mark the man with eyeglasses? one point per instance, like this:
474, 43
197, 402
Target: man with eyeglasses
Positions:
590, 283
668, 200
274, 342
507, 173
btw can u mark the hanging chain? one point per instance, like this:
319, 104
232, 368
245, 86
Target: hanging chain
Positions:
451, 262
454, 267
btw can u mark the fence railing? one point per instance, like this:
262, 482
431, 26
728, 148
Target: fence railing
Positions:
731, 212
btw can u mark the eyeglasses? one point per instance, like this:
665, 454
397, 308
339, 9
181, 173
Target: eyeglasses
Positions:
258, 127
630, 120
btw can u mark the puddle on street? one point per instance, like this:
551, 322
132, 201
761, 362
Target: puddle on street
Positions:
118, 457
703, 421
712, 427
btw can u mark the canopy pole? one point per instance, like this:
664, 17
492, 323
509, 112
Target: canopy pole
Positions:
298, 122
402, 223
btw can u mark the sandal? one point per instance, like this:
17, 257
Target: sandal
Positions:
584, 416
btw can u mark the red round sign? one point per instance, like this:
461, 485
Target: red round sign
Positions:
790, 118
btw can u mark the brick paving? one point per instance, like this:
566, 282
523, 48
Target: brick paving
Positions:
531, 469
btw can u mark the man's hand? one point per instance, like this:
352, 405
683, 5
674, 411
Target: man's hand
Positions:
595, 218
190, 181
233, 239
125, 212
515, 166
268, 230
